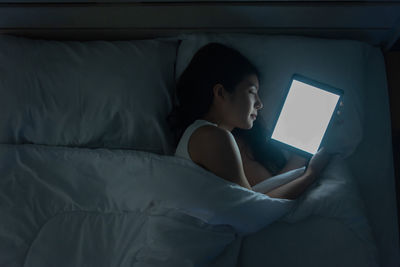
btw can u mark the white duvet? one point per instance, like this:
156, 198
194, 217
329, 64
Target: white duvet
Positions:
98, 207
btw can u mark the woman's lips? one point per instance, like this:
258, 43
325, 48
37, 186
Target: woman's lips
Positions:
253, 116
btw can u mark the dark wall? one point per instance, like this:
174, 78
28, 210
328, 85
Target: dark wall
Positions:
392, 59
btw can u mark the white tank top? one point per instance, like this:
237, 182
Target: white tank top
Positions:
182, 148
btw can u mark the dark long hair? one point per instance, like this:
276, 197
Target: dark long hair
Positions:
258, 140
212, 64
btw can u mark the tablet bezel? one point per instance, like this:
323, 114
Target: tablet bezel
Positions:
320, 85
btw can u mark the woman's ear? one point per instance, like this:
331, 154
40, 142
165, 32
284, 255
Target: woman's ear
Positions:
219, 91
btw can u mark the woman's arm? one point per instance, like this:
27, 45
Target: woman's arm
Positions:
293, 189
254, 171
215, 149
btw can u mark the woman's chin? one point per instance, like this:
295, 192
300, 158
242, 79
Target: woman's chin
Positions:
249, 124
246, 125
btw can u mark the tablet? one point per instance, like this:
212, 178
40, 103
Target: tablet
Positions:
306, 114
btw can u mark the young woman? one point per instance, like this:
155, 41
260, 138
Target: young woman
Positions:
217, 93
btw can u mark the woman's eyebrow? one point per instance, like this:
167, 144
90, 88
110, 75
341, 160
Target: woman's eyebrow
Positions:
250, 83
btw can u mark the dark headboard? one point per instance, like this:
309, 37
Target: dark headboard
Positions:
375, 22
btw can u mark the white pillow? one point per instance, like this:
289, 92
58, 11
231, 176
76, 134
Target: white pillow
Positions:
92, 94
339, 63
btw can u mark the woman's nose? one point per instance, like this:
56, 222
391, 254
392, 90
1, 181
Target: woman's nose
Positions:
259, 104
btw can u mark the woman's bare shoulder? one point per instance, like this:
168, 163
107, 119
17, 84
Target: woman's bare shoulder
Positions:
210, 131
210, 136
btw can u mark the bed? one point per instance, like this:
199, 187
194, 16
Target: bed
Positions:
88, 176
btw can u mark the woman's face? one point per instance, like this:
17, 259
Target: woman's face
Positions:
244, 103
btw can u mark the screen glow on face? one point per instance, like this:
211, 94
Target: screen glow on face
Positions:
305, 116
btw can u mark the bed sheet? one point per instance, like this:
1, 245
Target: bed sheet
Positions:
313, 242
372, 162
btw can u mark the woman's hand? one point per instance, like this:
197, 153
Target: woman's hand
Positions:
318, 162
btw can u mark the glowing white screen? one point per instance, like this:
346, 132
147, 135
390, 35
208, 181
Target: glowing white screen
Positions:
305, 116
